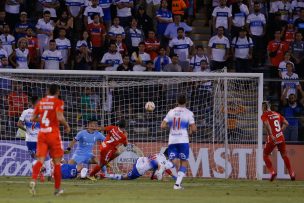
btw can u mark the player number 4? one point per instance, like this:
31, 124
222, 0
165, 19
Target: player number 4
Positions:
45, 120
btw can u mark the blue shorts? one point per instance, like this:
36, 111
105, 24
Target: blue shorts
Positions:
180, 151
68, 171
82, 159
106, 14
31, 147
133, 174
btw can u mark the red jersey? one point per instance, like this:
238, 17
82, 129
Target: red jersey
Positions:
96, 32
32, 47
47, 109
114, 138
152, 47
274, 46
289, 36
17, 103
275, 121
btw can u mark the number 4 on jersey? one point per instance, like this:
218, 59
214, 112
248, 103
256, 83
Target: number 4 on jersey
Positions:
45, 120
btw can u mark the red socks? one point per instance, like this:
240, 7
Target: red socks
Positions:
57, 175
95, 170
36, 170
287, 164
268, 163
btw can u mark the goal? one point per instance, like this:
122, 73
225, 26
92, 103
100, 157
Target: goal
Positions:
227, 109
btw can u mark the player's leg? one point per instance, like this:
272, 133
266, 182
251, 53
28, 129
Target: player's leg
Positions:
32, 147
282, 150
183, 153
94, 160
104, 157
269, 146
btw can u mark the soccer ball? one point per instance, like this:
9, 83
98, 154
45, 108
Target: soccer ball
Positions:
150, 106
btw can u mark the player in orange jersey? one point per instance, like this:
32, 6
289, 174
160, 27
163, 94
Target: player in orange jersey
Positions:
49, 113
275, 124
116, 136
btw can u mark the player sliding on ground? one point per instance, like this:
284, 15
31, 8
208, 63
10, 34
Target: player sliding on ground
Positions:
275, 124
49, 113
156, 163
179, 120
116, 136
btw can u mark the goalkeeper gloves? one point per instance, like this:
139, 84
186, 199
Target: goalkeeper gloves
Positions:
67, 151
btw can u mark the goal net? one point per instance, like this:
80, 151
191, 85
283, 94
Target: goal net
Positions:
225, 105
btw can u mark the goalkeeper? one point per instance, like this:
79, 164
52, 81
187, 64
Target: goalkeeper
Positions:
156, 163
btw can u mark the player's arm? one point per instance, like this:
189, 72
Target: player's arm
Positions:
164, 125
267, 127
284, 124
62, 121
20, 125
71, 145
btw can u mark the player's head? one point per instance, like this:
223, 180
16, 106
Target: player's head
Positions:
92, 124
34, 100
166, 152
266, 106
122, 123
181, 99
54, 90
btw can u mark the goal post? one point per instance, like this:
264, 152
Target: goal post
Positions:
226, 106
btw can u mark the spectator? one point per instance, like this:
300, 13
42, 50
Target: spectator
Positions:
124, 11
52, 58
84, 40
195, 62
221, 17
145, 23
116, 29
112, 59
282, 65
3, 52
34, 53
174, 66
140, 58
12, 9
106, 8
5, 64
21, 27
299, 23
45, 27
83, 58
171, 30
242, 46
121, 46
126, 64
51, 6
134, 36
296, 7
178, 7
64, 46
284, 7
297, 53
150, 66
204, 65
290, 82
2, 20
65, 22
90, 104
239, 12
152, 45
276, 49
97, 34
163, 17
152, 7
289, 35
161, 60
276, 24
256, 23
292, 110
75, 8
218, 48
8, 40
20, 56
90, 11
181, 45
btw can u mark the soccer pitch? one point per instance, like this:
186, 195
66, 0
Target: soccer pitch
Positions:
15, 189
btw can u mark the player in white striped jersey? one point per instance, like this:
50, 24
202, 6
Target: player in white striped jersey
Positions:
20, 57
179, 120
63, 45
31, 128
52, 58
156, 163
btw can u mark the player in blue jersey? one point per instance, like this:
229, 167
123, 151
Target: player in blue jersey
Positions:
31, 128
156, 163
179, 120
86, 140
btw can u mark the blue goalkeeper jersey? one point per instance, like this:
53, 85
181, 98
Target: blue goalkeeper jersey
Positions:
86, 141
68, 171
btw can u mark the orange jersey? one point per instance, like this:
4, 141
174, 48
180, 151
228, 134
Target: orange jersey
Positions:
275, 121
114, 138
289, 36
47, 109
274, 46
96, 33
178, 7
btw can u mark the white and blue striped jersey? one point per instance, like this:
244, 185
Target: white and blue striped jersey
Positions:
119, 30
32, 128
90, 11
74, 6
221, 15
3, 54
105, 3
144, 164
123, 12
242, 46
7, 43
218, 47
52, 59
181, 47
63, 45
256, 23
113, 60
239, 19
179, 120
21, 58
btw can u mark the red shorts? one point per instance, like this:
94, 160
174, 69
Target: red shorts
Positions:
107, 155
49, 142
270, 145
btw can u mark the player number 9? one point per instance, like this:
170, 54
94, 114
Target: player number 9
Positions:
277, 125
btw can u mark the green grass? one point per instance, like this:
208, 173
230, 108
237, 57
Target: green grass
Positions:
14, 189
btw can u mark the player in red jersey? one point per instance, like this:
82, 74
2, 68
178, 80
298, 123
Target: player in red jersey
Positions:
275, 124
116, 136
49, 113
